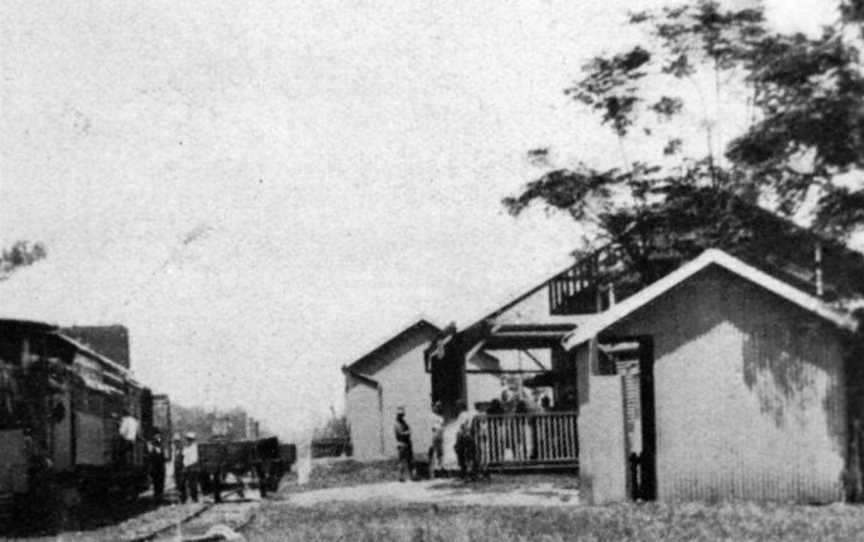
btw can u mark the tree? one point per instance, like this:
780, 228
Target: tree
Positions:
20, 254
205, 423
797, 147
336, 427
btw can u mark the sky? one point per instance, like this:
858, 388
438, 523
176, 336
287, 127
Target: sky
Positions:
263, 191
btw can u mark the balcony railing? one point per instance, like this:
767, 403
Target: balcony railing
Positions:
519, 441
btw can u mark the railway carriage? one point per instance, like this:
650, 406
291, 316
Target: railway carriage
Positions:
61, 407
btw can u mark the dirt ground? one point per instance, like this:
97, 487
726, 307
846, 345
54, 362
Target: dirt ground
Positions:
346, 500
498, 492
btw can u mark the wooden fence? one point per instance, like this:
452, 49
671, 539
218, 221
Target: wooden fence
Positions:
523, 441
331, 447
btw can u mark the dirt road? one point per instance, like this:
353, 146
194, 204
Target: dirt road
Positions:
443, 492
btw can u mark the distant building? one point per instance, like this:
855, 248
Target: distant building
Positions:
221, 425
392, 375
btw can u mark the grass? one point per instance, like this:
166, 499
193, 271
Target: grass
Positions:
626, 522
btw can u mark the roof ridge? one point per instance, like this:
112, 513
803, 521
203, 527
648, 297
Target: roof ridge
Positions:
711, 256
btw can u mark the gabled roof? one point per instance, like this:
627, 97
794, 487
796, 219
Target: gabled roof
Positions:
365, 364
360, 377
516, 297
708, 258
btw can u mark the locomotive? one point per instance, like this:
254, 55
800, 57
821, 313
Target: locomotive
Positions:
62, 405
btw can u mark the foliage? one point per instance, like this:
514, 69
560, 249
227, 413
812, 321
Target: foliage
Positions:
336, 427
202, 421
20, 254
800, 144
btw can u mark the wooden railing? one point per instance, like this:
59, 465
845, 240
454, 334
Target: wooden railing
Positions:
527, 440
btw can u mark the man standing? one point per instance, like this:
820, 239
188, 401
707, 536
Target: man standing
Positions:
436, 451
191, 474
403, 444
156, 463
177, 448
466, 448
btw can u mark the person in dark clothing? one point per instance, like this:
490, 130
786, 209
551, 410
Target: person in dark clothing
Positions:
179, 480
156, 464
466, 446
403, 444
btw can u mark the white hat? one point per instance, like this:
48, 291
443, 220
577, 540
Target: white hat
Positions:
190, 435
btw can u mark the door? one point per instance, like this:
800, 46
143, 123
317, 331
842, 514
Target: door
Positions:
648, 458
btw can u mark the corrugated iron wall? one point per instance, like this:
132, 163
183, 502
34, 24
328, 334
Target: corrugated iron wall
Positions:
749, 398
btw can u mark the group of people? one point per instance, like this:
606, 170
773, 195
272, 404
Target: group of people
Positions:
465, 446
187, 476
471, 464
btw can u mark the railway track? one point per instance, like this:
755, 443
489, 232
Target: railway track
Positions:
208, 522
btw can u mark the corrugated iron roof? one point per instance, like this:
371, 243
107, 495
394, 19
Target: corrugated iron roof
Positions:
710, 257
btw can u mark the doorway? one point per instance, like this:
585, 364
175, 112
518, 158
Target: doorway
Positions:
633, 359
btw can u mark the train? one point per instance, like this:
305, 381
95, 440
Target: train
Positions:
64, 411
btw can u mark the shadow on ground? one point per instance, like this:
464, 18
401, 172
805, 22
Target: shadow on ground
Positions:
40, 519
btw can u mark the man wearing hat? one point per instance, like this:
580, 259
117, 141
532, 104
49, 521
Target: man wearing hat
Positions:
190, 477
156, 464
403, 444
177, 450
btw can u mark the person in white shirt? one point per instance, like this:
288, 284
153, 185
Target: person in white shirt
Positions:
436, 451
128, 427
127, 434
191, 473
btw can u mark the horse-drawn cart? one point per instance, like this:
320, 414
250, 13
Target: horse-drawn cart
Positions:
265, 461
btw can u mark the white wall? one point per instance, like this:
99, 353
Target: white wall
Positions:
361, 410
749, 394
404, 382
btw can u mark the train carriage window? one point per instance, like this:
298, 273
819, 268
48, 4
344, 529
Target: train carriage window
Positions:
10, 350
9, 398
90, 402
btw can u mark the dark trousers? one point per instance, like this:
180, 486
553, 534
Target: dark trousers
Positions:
187, 483
406, 459
466, 454
157, 476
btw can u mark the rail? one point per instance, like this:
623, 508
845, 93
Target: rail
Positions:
523, 441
